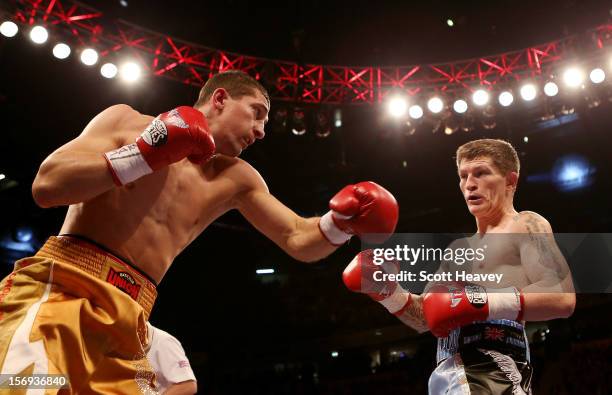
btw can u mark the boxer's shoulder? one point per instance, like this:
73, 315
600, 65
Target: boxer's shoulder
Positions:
530, 222
120, 113
117, 119
245, 176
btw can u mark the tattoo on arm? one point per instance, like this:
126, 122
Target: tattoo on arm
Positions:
549, 255
413, 315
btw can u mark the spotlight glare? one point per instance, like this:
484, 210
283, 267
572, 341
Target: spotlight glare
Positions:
480, 97
551, 89
505, 98
130, 72
9, 29
435, 105
450, 22
415, 112
460, 106
338, 118
61, 51
528, 92
39, 35
108, 70
573, 77
89, 57
597, 76
397, 107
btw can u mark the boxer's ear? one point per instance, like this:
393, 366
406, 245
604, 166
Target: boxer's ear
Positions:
219, 98
512, 180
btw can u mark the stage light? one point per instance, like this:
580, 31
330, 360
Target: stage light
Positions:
322, 124
597, 76
572, 172
460, 106
338, 118
108, 70
435, 105
264, 271
480, 97
573, 77
298, 122
551, 89
452, 123
525, 139
2, 177
467, 123
450, 22
23, 234
505, 98
334, 354
415, 111
397, 107
39, 35
528, 92
9, 29
278, 123
61, 51
488, 120
89, 57
130, 72
410, 127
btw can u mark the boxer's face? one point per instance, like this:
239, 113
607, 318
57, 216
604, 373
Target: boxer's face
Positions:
239, 122
484, 188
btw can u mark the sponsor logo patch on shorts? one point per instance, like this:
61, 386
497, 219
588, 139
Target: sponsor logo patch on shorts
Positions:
124, 281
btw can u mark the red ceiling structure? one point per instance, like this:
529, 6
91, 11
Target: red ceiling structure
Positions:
193, 64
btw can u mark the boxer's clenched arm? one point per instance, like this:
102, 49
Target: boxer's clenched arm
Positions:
413, 314
551, 292
299, 237
77, 171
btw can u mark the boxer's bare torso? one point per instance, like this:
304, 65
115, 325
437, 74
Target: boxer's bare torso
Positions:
502, 252
150, 221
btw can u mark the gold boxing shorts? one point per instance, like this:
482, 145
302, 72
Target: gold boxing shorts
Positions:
77, 311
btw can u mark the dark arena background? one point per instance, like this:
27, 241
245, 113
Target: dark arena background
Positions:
351, 101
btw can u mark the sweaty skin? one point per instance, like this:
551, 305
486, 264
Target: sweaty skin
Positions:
528, 255
151, 220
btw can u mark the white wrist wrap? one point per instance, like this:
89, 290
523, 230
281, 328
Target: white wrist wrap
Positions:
396, 301
504, 303
127, 163
335, 235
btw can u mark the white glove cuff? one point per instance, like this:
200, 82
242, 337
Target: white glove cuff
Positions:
397, 300
504, 303
332, 233
127, 164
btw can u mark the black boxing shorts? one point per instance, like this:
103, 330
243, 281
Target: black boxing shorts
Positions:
486, 357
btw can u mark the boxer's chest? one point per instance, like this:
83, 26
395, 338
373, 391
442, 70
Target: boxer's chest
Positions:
500, 259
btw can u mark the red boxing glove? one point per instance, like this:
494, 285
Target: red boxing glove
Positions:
362, 209
171, 136
364, 275
447, 307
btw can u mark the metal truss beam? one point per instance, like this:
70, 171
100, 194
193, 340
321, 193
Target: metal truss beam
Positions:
193, 64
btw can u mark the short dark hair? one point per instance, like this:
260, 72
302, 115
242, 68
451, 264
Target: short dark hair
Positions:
237, 83
502, 154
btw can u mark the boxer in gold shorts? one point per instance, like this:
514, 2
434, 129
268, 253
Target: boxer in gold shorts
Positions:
139, 190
